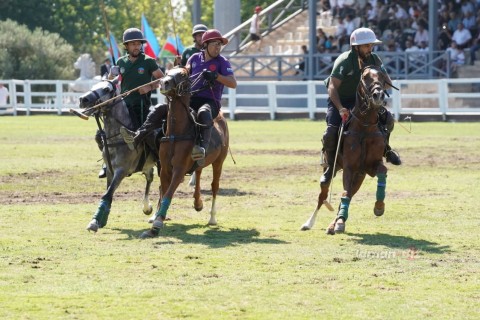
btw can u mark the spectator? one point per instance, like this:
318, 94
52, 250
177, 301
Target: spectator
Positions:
105, 68
469, 22
4, 94
462, 36
420, 35
457, 57
453, 22
255, 34
301, 65
474, 48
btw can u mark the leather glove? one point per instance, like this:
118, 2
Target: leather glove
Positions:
114, 71
210, 76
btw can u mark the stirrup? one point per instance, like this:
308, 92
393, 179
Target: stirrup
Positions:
128, 136
198, 153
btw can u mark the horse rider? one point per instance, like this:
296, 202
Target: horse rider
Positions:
197, 33
206, 97
135, 69
342, 87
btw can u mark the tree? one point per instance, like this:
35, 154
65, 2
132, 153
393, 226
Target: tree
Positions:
33, 55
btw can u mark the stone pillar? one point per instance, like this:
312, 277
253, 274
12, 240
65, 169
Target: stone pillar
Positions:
226, 16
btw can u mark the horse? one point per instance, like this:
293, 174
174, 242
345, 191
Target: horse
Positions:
176, 148
361, 151
121, 161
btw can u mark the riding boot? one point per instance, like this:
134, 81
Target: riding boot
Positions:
391, 155
98, 139
199, 151
206, 121
329, 149
133, 138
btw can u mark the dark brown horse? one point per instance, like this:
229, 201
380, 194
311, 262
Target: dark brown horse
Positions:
176, 148
361, 150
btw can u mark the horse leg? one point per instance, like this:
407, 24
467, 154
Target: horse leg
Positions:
147, 206
352, 183
379, 207
192, 180
161, 214
197, 202
322, 197
217, 172
100, 217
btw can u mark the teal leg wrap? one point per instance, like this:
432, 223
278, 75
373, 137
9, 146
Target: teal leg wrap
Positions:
101, 215
381, 185
343, 212
164, 205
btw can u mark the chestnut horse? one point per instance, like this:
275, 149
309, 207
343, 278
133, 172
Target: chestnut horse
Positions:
121, 161
361, 150
176, 148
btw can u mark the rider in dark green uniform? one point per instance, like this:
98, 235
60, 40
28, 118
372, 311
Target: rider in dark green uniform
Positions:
135, 69
342, 87
197, 33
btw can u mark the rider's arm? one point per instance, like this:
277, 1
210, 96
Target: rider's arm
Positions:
228, 81
333, 86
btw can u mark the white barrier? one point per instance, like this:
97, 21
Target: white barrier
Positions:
441, 97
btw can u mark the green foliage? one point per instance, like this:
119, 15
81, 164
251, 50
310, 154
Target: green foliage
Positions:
33, 55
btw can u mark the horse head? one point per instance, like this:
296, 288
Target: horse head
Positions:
371, 89
175, 83
99, 93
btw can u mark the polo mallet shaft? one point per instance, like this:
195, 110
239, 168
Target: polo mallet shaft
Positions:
325, 202
126, 93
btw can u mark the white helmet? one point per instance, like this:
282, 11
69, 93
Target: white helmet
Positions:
363, 36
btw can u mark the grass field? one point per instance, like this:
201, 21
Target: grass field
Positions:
421, 260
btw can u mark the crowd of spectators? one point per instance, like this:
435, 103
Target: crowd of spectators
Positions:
403, 26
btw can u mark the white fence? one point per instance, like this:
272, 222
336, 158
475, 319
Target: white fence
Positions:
443, 98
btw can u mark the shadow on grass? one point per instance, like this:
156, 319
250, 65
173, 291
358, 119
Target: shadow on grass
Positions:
401, 242
214, 237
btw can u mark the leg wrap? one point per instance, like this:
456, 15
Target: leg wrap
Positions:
164, 205
101, 215
381, 185
343, 212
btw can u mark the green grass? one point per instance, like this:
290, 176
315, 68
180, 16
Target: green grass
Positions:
420, 260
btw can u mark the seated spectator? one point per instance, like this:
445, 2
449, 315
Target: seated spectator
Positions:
474, 48
453, 22
444, 38
421, 35
462, 36
457, 57
469, 22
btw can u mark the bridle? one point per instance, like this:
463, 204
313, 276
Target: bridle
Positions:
365, 93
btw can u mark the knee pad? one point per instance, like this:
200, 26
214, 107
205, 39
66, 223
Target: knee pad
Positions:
205, 116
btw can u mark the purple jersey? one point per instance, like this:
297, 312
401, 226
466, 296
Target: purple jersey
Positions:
198, 64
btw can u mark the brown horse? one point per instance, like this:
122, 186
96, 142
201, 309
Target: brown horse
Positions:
361, 150
176, 148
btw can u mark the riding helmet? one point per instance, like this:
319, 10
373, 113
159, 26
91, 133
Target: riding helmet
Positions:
199, 28
213, 34
133, 34
363, 36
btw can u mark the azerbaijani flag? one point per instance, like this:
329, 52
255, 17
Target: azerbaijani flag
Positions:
170, 47
151, 47
115, 49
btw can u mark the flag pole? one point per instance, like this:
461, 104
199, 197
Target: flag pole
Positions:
104, 13
174, 28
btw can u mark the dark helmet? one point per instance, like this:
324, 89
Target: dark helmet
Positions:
199, 28
133, 34
213, 34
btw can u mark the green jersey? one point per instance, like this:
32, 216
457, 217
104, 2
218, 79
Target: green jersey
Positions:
135, 74
187, 53
347, 69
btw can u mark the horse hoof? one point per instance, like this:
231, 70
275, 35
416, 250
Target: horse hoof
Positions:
379, 208
305, 228
149, 210
157, 224
330, 230
339, 227
93, 226
149, 234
